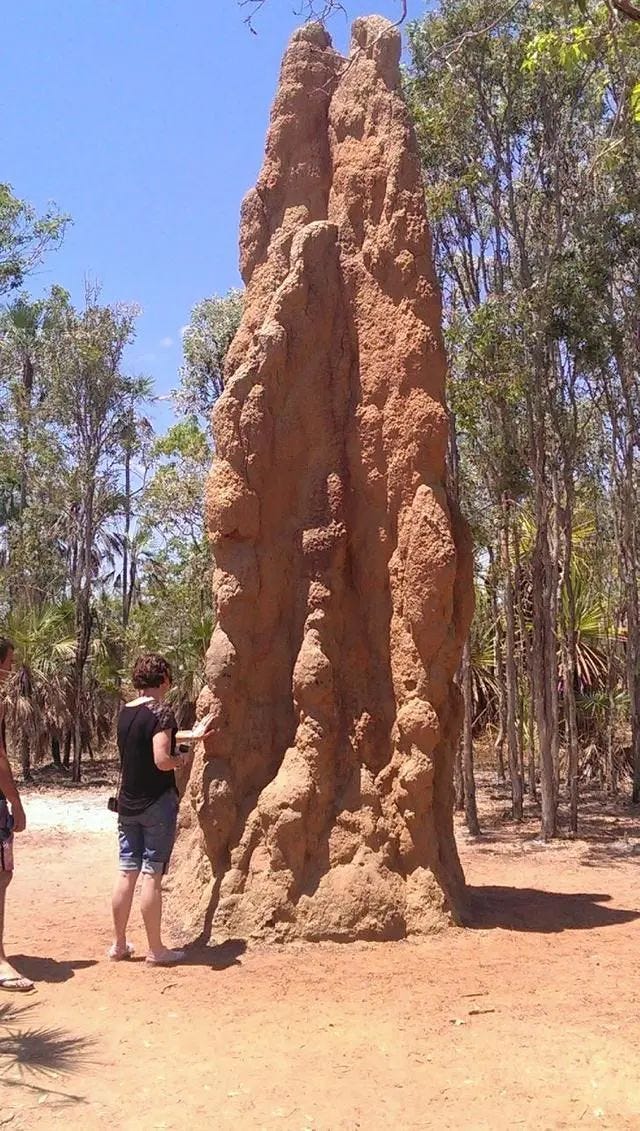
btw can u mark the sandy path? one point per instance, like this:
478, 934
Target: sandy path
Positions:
530, 1021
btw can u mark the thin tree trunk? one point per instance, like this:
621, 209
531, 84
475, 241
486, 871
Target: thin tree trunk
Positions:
526, 675
543, 720
531, 766
25, 757
453, 485
630, 567
499, 673
470, 807
542, 647
611, 774
511, 673
126, 586
628, 372
459, 779
633, 684
552, 570
569, 648
83, 622
498, 745
20, 587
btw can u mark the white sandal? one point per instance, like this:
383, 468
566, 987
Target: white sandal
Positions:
170, 958
116, 955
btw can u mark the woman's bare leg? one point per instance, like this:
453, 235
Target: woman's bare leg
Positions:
121, 901
151, 905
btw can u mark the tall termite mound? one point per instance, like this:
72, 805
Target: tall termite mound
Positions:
321, 807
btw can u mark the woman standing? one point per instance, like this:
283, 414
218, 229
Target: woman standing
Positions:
147, 806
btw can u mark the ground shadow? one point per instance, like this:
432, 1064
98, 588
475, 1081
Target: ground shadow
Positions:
218, 957
543, 912
40, 969
32, 1056
608, 855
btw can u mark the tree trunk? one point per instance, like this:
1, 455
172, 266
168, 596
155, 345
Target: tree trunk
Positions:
630, 575
531, 763
126, 587
66, 758
83, 619
498, 745
544, 721
552, 571
25, 757
633, 684
501, 690
76, 773
611, 772
511, 673
55, 750
458, 779
543, 643
470, 808
572, 746
525, 673
569, 649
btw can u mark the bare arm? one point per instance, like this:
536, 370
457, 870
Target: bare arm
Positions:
162, 752
9, 787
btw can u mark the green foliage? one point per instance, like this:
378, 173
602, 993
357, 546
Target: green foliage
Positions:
174, 498
126, 566
566, 48
36, 693
206, 341
525, 121
24, 237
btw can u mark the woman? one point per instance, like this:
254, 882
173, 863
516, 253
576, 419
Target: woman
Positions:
147, 806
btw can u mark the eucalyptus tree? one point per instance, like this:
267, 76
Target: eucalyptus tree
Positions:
517, 122
92, 396
205, 344
25, 237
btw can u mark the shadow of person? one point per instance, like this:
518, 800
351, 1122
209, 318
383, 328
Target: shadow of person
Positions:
544, 912
218, 957
40, 969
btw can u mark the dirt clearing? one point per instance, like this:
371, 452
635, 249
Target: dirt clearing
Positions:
528, 1020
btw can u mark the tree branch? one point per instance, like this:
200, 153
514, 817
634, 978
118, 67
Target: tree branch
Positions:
320, 10
627, 9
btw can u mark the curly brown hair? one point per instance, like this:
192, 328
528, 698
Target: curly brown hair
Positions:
150, 671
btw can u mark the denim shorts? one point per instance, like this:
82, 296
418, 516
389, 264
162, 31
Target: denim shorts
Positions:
146, 840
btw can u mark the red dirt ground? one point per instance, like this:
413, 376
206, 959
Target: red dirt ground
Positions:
529, 1020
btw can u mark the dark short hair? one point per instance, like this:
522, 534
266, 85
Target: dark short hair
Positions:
150, 671
6, 646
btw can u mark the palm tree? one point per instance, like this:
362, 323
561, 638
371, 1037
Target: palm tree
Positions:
36, 693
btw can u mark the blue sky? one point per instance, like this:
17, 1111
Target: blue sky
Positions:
145, 120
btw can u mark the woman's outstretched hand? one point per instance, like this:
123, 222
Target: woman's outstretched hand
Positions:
201, 729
